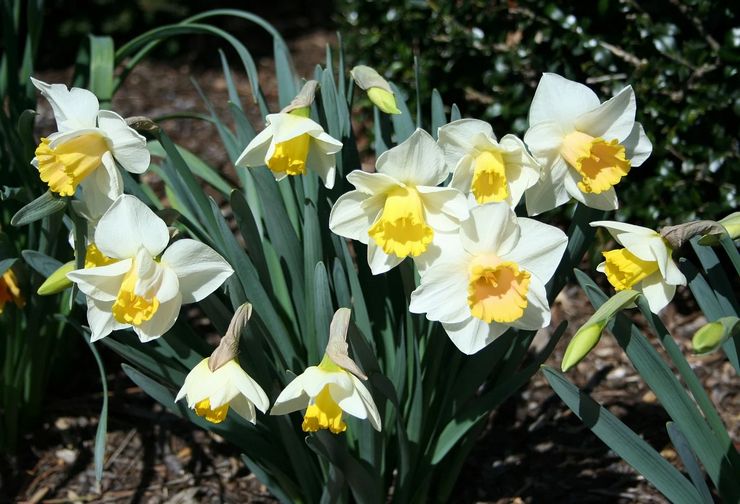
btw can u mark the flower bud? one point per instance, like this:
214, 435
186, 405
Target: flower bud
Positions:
378, 89
732, 224
384, 100
712, 335
582, 343
57, 281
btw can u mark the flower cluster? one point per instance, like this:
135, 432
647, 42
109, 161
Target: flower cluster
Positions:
483, 269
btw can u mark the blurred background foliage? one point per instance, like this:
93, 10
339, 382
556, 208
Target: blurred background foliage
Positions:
680, 56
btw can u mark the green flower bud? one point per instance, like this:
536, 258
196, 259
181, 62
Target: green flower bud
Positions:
732, 224
57, 281
712, 335
384, 100
582, 343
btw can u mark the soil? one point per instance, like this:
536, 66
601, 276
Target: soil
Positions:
533, 449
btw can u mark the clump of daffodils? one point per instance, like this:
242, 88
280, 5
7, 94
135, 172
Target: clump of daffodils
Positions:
398, 209
586, 147
218, 383
133, 279
490, 277
86, 146
332, 388
644, 263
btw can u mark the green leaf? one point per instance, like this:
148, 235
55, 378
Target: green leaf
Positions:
287, 85
102, 59
41, 263
689, 461
439, 118
322, 307
403, 124
717, 278
46, 204
628, 445
5, 264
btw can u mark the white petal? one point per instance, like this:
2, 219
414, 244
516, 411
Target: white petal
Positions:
354, 213
169, 286
322, 158
255, 154
129, 225
325, 142
539, 249
292, 398
473, 335
109, 181
247, 386
638, 145
315, 379
200, 270
637, 239
244, 408
456, 138
443, 292
162, 321
462, 176
100, 319
416, 161
657, 292
545, 139
549, 192
444, 207
522, 170
491, 228
379, 261
101, 283
288, 126
445, 246
612, 119
537, 313
73, 108
372, 183
673, 275
561, 100
606, 200
367, 399
97, 201
129, 147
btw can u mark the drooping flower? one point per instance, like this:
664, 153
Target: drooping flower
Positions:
218, 382
135, 282
86, 146
585, 147
10, 291
644, 264
398, 210
332, 388
491, 277
289, 144
485, 168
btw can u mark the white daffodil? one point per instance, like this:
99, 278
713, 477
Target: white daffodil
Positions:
212, 393
644, 264
488, 170
397, 210
291, 142
144, 285
585, 147
86, 146
491, 278
330, 389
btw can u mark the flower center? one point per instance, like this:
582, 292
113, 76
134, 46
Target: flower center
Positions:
497, 290
324, 413
489, 178
218, 415
624, 269
401, 228
67, 164
134, 305
601, 163
94, 257
9, 290
290, 156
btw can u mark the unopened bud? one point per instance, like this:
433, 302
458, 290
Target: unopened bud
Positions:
378, 89
57, 281
732, 224
384, 100
712, 335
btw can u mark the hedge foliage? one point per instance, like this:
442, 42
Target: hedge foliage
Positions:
487, 56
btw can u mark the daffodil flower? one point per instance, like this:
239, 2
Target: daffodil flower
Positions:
212, 393
86, 146
332, 388
485, 168
291, 142
491, 277
397, 210
10, 291
644, 264
585, 147
144, 282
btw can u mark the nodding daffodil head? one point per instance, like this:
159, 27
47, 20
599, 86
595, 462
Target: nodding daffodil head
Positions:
399, 210
87, 145
484, 168
586, 147
136, 280
643, 264
490, 277
332, 388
